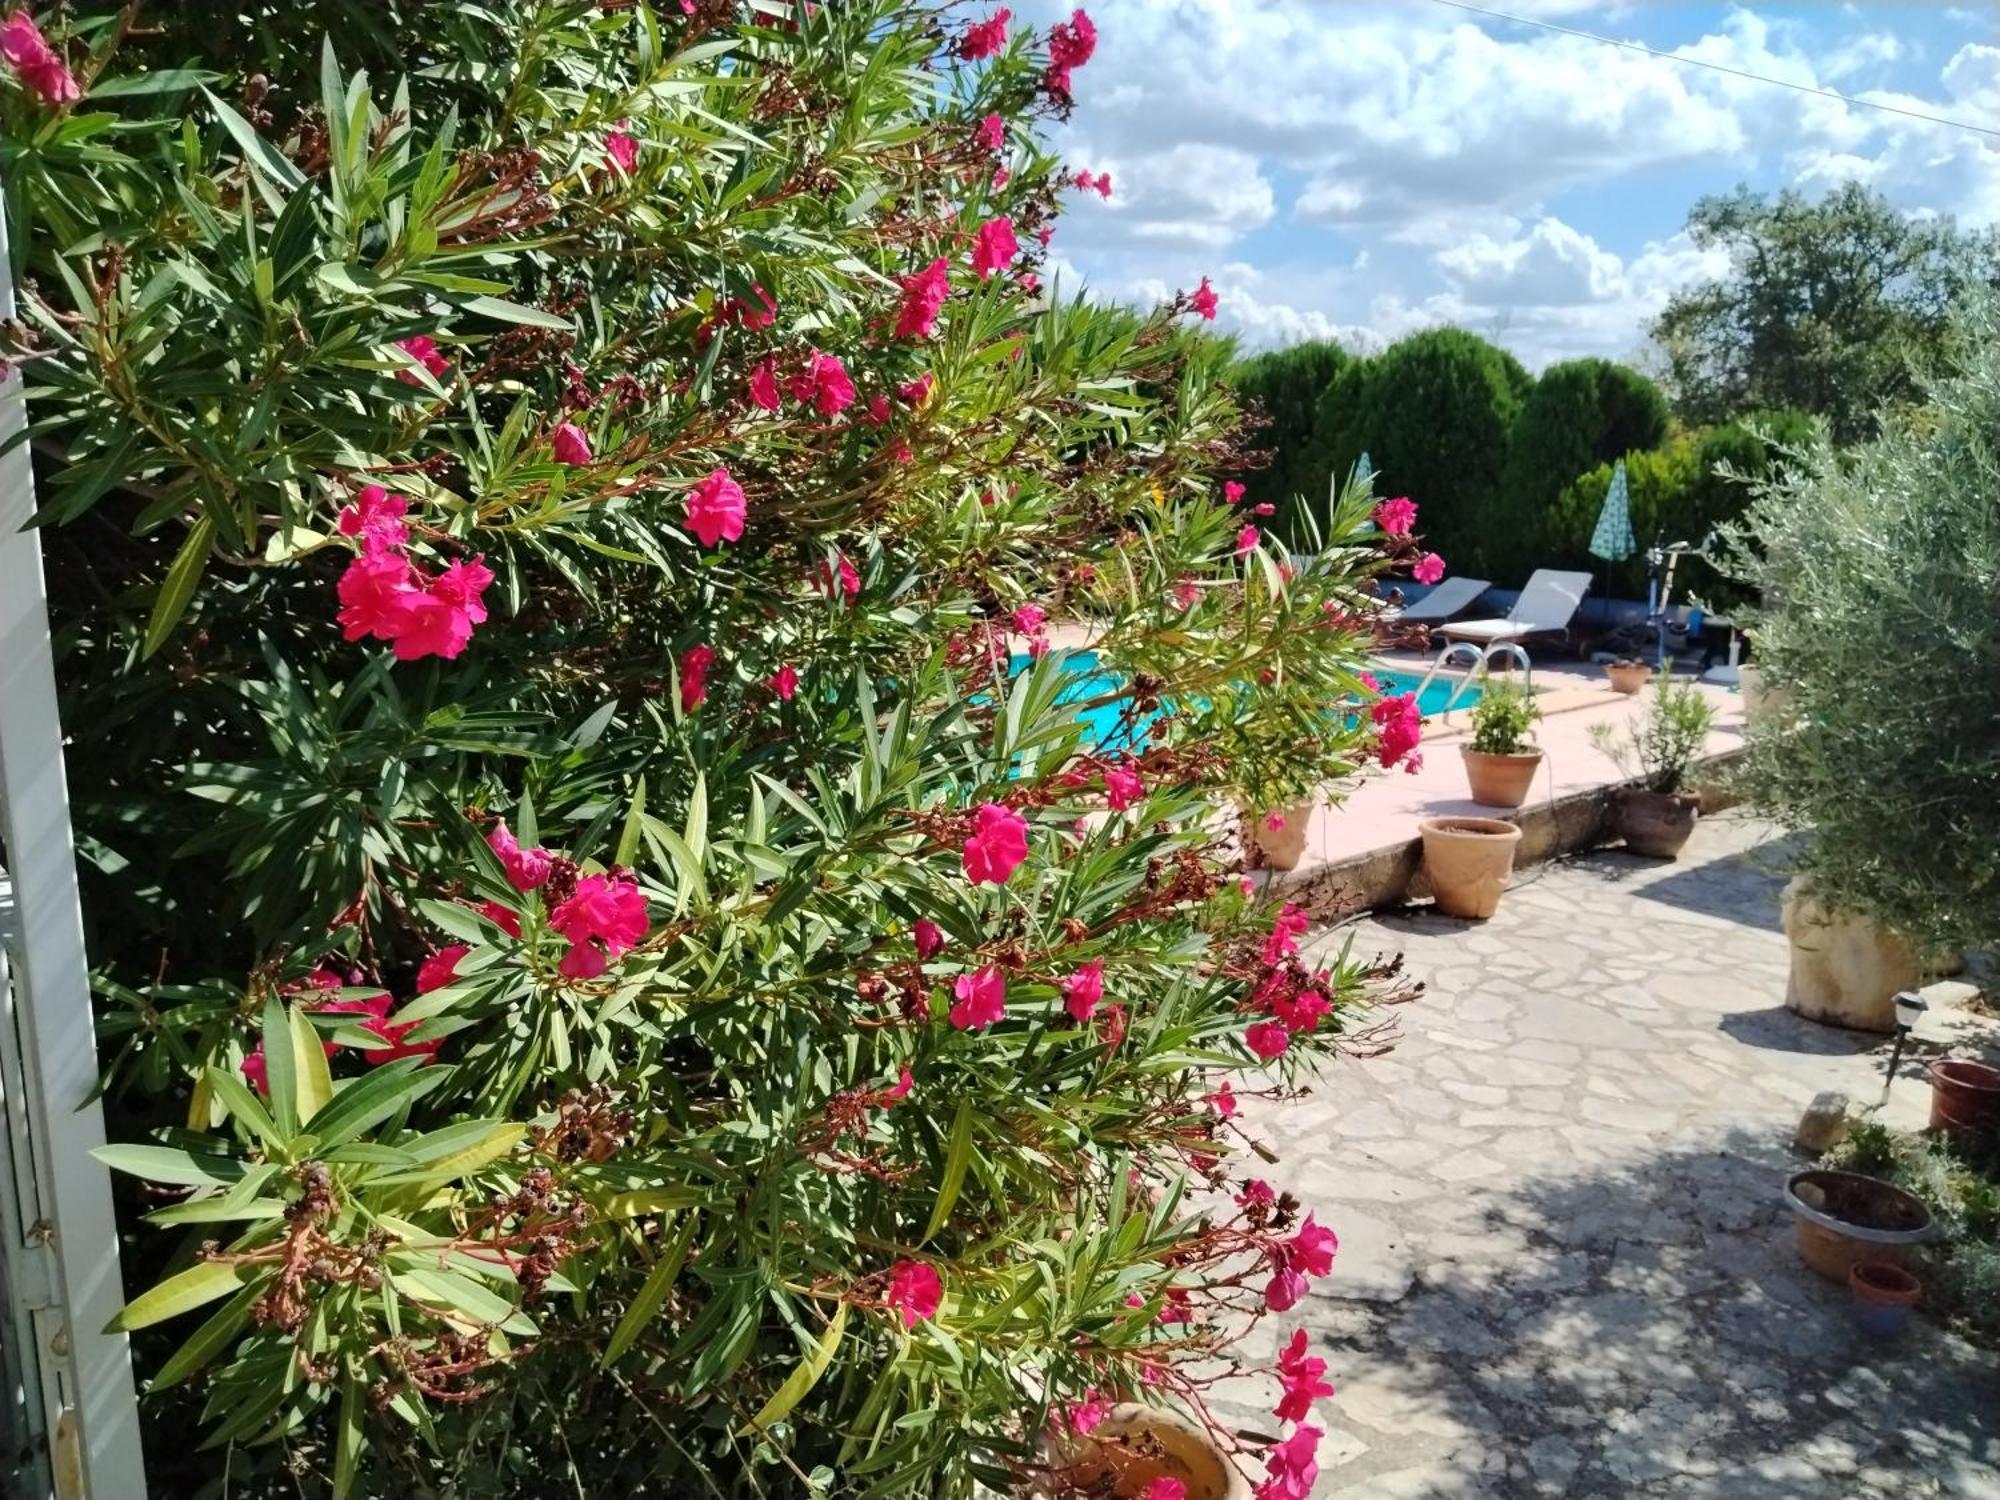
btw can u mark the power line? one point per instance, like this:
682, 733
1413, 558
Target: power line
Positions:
1783, 83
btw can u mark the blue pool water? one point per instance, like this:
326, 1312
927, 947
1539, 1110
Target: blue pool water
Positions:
1089, 680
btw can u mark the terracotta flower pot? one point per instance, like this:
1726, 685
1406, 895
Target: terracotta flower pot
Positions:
1135, 1445
1883, 1296
1655, 824
1844, 1217
1467, 862
1845, 970
1965, 1096
1626, 677
1500, 780
1281, 847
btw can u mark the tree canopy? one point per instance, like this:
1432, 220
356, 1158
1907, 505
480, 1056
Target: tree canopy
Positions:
1286, 386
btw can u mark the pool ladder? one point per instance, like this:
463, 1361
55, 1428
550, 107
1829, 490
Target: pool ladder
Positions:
1479, 658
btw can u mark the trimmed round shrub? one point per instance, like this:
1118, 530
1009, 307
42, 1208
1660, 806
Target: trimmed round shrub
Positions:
1286, 386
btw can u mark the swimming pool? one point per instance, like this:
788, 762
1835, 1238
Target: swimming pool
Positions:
1089, 680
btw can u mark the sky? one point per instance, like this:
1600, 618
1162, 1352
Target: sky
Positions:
1361, 169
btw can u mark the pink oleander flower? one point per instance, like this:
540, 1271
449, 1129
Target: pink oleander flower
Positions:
1028, 281
1267, 1039
376, 516
1399, 726
1398, 516
1111, 1027
1001, 177
1232, 491
569, 444
1246, 541
878, 410
1029, 619
1088, 1414
394, 1035
1166, 1487
1290, 924
39, 66
929, 939
1222, 1101
1370, 681
992, 132
695, 662
715, 509
1302, 1011
441, 968
375, 594
441, 615
622, 149
1186, 593
912, 392
981, 999
503, 917
898, 1091
1046, 233
1203, 301
1292, 1466
842, 577
1257, 1193
825, 384
763, 385
785, 682
984, 39
997, 845
1300, 1374
1071, 44
923, 295
1429, 568
527, 869
424, 350
1103, 186
1083, 990
604, 917
1274, 821
994, 247
1123, 786
915, 1290
1082, 179
256, 1070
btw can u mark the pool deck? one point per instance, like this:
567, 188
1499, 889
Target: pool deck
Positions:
1379, 814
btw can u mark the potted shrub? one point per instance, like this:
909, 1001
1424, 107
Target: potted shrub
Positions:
1877, 746
1656, 817
1628, 674
1502, 758
1467, 862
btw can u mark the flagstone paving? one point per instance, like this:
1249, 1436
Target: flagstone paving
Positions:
1564, 1267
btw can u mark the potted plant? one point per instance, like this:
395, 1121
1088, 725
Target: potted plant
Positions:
1131, 1450
1501, 761
1467, 862
1278, 835
1845, 1218
1655, 817
1883, 1296
1628, 674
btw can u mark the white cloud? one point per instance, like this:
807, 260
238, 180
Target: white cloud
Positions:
1202, 195
1552, 264
1871, 49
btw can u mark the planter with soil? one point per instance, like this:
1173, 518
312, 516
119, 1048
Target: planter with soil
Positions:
1629, 675
1279, 848
1655, 824
1134, 1446
1845, 1218
1467, 862
1883, 1297
1965, 1096
1500, 780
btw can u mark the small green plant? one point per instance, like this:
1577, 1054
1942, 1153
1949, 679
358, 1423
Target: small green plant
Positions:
1663, 746
1504, 718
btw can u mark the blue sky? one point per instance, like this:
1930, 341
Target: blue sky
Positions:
1360, 169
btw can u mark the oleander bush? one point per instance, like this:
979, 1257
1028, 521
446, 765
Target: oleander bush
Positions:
624, 970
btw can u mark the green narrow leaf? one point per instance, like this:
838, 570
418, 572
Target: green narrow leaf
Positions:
280, 1073
347, 1437
241, 1103
208, 1340
651, 1295
257, 151
177, 588
369, 1101
514, 312
957, 1156
171, 1165
696, 836
182, 1293
312, 1078
635, 820
804, 1376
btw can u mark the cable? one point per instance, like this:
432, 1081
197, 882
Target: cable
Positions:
1803, 88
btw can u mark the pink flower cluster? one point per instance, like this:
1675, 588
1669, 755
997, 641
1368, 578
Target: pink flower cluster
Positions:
39, 66
1083, 990
984, 39
437, 970
980, 999
621, 149
915, 1288
715, 509
604, 917
527, 869
694, 665
1203, 301
1293, 1000
1123, 786
1072, 43
994, 246
386, 597
825, 383
1308, 1253
923, 296
991, 132
1398, 517
424, 350
1084, 182
997, 844
1399, 728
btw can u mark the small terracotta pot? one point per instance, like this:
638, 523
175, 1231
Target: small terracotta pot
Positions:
1626, 678
1135, 1445
1883, 1296
1655, 824
1500, 780
1467, 862
1282, 847
1965, 1096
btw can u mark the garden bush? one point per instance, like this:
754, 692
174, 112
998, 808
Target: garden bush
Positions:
1879, 571
615, 982
1287, 385
1432, 413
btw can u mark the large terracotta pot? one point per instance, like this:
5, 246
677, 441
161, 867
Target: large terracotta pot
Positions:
1764, 704
1467, 862
1655, 824
1965, 1096
1845, 1218
1628, 677
1845, 971
1135, 1445
1282, 847
1500, 780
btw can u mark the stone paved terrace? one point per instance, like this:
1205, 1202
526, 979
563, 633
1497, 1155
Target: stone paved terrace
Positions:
1565, 1269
